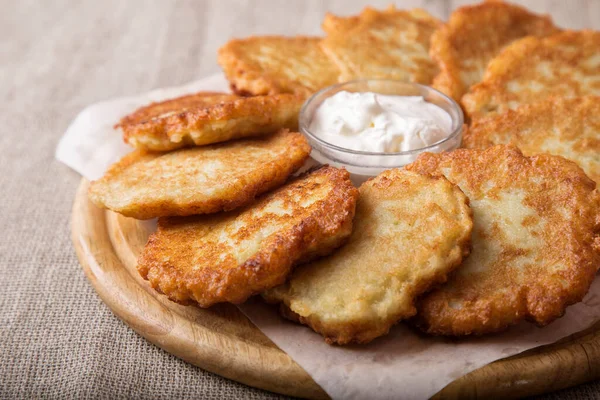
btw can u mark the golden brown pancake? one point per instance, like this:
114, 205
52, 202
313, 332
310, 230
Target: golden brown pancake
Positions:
276, 64
228, 257
410, 231
535, 244
568, 127
475, 34
531, 69
206, 118
391, 44
199, 180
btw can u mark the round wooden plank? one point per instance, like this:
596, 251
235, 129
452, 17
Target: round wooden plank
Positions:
222, 340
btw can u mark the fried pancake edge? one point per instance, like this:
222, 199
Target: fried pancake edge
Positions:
448, 40
226, 119
492, 96
530, 126
538, 299
326, 227
249, 78
350, 41
269, 175
364, 331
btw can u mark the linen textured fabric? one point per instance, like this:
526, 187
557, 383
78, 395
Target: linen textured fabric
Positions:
58, 339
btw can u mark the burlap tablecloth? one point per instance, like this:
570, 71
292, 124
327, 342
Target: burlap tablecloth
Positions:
57, 339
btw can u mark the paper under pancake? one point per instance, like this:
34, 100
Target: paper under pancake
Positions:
276, 64
410, 231
199, 180
207, 117
535, 245
391, 44
228, 257
531, 69
475, 34
568, 127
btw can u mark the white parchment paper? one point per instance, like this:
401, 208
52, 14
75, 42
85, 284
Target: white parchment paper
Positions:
91, 144
403, 364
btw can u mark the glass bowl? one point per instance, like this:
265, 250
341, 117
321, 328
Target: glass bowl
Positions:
365, 164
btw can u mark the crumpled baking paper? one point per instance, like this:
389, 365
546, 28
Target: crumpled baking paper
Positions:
403, 364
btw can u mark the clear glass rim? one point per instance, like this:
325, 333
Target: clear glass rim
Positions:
303, 120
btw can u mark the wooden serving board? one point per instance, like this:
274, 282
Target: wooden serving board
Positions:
222, 340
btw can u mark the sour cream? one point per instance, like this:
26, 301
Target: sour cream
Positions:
374, 122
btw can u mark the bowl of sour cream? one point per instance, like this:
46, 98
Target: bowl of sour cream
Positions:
371, 125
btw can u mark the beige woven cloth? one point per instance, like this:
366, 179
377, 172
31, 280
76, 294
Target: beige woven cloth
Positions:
57, 339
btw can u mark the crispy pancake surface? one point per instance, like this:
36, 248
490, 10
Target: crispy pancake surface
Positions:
568, 127
228, 257
276, 64
535, 244
199, 180
410, 231
206, 117
530, 69
474, 35
390, 44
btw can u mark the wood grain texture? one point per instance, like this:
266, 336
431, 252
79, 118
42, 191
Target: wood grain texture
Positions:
222, 340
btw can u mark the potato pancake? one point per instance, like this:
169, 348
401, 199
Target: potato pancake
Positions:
276, 64
391, 44
205, 118
410, 231
530, 69
568, 127
228, 257
475, 34
199, 180
535, 245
